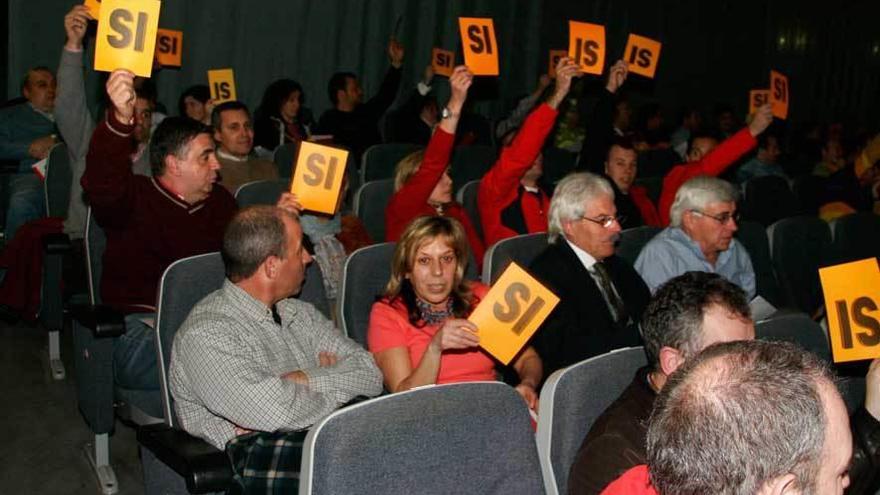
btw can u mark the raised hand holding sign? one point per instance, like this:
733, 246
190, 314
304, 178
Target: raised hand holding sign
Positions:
442, 61
586, 46
479, 45
127, 36
779, 94
317, 179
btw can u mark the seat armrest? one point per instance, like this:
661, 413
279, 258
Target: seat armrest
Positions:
204, 468
103, 321
56, 243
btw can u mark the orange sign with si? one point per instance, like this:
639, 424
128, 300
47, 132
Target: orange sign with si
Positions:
317, 178
169, 48
779, 94
852, 300
443, 61
94, 7
126, 36
479, 45
553, 59
511, 313
222, 85
642, 54
757, 98
586, 46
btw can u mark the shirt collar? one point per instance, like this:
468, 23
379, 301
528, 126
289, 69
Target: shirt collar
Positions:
586, 258
48, 115
228, 156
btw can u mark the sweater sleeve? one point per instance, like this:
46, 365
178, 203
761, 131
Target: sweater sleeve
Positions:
379, 103
108, 179
71, 112
599, 134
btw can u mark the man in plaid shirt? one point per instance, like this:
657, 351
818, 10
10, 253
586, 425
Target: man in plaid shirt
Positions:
250, 368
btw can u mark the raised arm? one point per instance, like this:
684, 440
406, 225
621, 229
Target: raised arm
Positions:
600, 126
379, 103
71, 111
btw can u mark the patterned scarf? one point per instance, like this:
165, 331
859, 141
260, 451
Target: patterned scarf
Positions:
433, 316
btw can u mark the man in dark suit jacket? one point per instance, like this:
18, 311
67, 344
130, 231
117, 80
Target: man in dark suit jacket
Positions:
601, 296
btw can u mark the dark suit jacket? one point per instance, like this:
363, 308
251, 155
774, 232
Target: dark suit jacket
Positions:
581, 325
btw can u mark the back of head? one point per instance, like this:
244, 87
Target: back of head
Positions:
699, 192
569, 198
253, 234
739, 415
217, 113
172, 137
407, 167
337, 83
674, 316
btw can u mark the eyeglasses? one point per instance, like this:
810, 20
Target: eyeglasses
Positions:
606, 221
723, 218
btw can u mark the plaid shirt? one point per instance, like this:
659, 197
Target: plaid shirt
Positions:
229, 355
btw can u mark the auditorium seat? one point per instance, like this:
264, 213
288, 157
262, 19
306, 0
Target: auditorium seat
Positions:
767, 199
521, 249
632, 241
261, 192
467, 198
753, 237
470, 163
370, 201
856, 237
799, 246
283, 157
380, 160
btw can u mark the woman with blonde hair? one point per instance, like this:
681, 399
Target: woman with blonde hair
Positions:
418, 331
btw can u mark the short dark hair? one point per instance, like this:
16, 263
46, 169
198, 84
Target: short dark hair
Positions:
172, 137
674, 316
737, 416
27, 75
145, 89
621, 142
216, 114
253, 234
764, 138
199, 92
703, 134
337, 83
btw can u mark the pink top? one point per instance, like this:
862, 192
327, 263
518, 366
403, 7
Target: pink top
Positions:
390, 327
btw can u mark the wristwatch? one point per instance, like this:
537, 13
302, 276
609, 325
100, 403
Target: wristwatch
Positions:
447, 113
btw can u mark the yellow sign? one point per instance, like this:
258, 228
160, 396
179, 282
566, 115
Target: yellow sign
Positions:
553, 60
94, 7
642, 55
317, 177
127, 36
852, 300
586, 46
169, 48
222, 84
511, 312
779, 94
478, 43
443, 61
757, 98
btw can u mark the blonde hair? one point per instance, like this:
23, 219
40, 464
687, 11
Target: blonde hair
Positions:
407, 167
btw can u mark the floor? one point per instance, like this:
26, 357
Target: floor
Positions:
43, 433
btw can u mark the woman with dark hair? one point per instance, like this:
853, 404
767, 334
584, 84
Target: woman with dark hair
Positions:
279, 118
418, 331
195, 103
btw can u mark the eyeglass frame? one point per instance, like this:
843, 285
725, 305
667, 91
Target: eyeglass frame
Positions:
606, 221
722, 218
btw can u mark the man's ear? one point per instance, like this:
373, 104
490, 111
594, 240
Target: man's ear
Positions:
566, 228
217, 135
670, 360
606, 167
781, 485
172, 165
270, 267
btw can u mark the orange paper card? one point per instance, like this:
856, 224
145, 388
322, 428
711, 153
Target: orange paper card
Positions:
757, 98
641, 55
127, 36
586, 46
94, 7
443, 61
478, 43
317, 179
553, 60
779, 94
169, 47
852, 300
222, 85
511, 312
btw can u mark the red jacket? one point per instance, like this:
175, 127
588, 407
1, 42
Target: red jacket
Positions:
633, 482
714, 163
639, 196
411, 200
22, 258
500, 187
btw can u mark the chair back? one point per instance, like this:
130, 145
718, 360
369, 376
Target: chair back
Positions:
467, 198
370, 201
632, 241
768, 199
380, 160
753, 237
95, 243
522, 249
856, 237
799, 246
59, 177
571, 400
557, 164
470, 163
283, 157
795, 327
261, 192
459, 438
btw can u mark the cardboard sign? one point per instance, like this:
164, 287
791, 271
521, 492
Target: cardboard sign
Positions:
779, 94
169, 48
757, 98
641, 55
511, 312
553, 60
317, 179
222, 85
852, 303
478, 43
127, 36
94, 7
443, 61
586, 46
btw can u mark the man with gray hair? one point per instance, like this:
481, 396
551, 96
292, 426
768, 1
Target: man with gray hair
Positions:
699, 238
601, 297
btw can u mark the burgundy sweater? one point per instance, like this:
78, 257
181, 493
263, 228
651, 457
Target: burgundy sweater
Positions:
147, 226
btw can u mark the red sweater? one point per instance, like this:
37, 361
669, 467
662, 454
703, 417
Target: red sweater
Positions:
499, 188
639, 196
636, 481
147, 226
411, 200
713, 164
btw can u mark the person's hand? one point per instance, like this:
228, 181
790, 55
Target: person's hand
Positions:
39, 148
761, 120
872, 389
75, 23
616, 76
428, 76
297, 377
327, 359
288, 201
239, 431
566, 69
543, 82
395, 53
456, 334
528, 393
120, 89
460, 80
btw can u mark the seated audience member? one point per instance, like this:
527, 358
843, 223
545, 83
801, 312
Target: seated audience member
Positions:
353, 123
27, 133
418, 331
422, 185
601, 297
279, 118
150, 222
752, 417
235, 139
196, 104
250, 364
725, 120
509, 198
833, 158
414, 121
688, 313
704, 219
765, 162
689, 121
